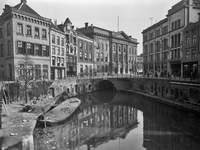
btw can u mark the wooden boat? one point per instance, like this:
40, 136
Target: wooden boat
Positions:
60, 113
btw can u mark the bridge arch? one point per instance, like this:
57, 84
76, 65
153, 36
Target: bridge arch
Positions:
105, 85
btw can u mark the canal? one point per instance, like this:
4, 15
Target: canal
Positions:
119, 121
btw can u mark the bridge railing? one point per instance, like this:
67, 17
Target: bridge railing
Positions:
138, 76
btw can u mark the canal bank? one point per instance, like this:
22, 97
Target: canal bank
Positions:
182, 105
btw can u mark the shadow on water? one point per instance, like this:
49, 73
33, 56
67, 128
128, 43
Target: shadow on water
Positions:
104, 96
108, 120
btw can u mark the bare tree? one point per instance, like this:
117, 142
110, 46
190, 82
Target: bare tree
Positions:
26, 73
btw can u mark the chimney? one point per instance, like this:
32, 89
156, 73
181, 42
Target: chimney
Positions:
24, 1
6, 7
72, 27
130, 36
92, 25
86, 25
55, 22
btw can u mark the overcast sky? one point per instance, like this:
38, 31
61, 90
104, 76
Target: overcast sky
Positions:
134, 15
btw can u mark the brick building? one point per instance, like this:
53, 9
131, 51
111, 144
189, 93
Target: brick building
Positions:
23, 34
163, 41
114, 52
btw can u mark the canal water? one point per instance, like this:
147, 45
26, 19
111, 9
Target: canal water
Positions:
121, 121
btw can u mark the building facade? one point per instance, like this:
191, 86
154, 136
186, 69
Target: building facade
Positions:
139, 62
24, 38
85, 55
71, 47
191, 59
114, 52
163, 41
58, 53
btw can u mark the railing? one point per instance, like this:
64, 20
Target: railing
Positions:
191, 105
106, 76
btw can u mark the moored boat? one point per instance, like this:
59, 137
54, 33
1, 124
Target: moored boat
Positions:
60, 113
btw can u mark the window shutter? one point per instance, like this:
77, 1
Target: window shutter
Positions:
32, 48
23, 47
47, 51
40, 50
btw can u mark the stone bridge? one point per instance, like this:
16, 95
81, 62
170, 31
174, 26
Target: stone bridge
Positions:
170, 88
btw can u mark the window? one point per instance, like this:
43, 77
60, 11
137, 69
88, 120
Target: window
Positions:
9, 48
114, 58
44, 50
173, 26
80, 44
85, 45
19, 28
194, 39
37, 32
187, 55
29, 71
58, 50
28, 30
45, 71
119, 48
28, 48
193, 54
21, 70
8, 29
38, 71
81, 55
187, 41
101, 56
58, 40
85, 56
179, 23
20, 47
1, 33
53, 39
106, 46
37, 49
114, 48
62, 61
62, 41
90, 47
44, 33
1, 50
53, 60
53, 50
58, 61
106, 58
62, 51
90, 56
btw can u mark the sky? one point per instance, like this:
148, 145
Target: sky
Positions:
134, 15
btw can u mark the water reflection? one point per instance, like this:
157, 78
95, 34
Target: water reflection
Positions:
123, 122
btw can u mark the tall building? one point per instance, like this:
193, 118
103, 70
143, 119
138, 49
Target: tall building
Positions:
163, 41
58, 53
114, 52
23, 35
71, 46
85, 55
191, 57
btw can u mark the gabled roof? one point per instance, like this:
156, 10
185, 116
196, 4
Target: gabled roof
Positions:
120, 34
24, 8
67, 21
83, 35
53, 26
